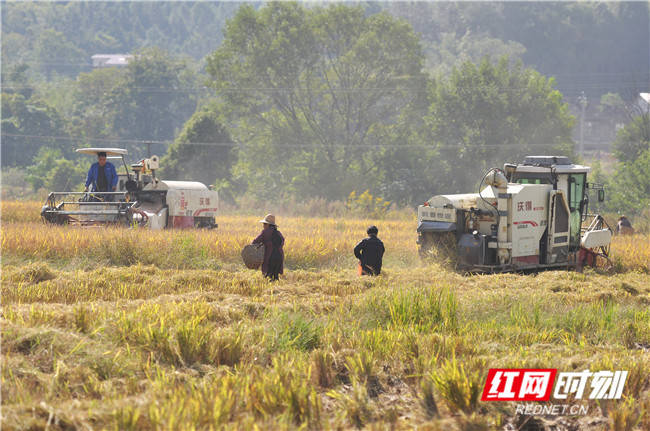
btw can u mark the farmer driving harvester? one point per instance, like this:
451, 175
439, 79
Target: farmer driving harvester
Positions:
103, 178
131, 198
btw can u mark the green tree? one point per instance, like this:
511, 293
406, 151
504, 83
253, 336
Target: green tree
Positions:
633, 139
486, 114
92, 110
52, 171
405, 168
151, 100
52, 33
43, 162
611, 103
629, 187
65, 175
309, 91
561, 39
15, 80
597, 175
28, 124
148, 100
58, 55
202, 151
453, 50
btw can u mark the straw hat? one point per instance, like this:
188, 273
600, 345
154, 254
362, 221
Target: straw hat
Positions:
269, 219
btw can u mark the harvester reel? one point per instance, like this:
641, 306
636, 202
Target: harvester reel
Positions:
48, 216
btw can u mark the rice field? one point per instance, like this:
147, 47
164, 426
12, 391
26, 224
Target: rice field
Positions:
135, 329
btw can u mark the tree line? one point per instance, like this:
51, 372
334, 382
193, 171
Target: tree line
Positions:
304, 102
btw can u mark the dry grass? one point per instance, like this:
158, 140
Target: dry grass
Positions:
20, 211
632, 252
134, 329
310, 243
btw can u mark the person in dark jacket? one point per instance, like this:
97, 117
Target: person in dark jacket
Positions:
273, 242
102, 176
370, 252
624, 226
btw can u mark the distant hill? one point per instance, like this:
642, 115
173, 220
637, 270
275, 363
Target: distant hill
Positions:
594, 47
61, 37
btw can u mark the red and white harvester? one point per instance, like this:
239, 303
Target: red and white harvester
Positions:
530, 216
140, 199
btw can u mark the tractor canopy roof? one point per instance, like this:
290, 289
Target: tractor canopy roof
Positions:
560, 164
108, 151
546, 160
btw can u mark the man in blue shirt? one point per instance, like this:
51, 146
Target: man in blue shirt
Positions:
102, 175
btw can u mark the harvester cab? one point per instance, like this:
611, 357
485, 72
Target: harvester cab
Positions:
531, 215
140, 199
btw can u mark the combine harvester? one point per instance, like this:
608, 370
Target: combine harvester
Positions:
141, 199
531, 216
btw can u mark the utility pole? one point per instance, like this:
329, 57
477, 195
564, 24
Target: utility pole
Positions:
582, 99
148, 149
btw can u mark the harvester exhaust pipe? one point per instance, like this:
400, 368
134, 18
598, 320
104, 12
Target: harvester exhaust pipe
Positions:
496, 177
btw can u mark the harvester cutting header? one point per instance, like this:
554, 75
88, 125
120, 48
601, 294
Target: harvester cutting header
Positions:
140, 198
530, 216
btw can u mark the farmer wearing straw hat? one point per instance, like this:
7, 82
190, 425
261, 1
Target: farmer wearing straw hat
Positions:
273, 241
623, 226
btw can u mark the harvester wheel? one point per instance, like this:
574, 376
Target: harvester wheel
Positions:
595, 259
603, 262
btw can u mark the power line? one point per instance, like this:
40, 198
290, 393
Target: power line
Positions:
284, 145
80, 138
644, 75
300, 88
184, 90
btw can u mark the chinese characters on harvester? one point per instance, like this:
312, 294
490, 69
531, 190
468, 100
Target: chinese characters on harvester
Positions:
537, 385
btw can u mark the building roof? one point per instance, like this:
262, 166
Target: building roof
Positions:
645, 97
111, 59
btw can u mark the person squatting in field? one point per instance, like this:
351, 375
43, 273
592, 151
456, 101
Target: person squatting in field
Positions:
273, 241
370, 252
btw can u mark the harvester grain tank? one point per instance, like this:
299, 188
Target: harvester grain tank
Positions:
531, 215
140, 199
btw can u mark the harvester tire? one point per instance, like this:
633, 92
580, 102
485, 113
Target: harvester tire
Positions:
599, 260
604, 263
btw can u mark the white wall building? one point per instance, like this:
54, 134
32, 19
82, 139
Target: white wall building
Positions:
111, 60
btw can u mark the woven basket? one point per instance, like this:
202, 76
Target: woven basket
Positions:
253, 256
